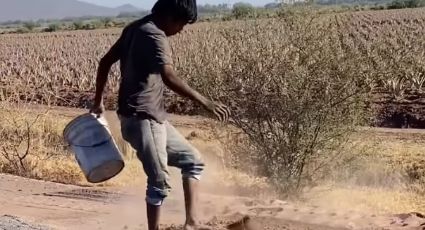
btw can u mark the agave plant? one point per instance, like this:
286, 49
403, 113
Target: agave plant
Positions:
417, 81
396, 86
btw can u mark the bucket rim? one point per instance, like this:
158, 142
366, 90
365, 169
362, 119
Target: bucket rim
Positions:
74, 121
121, 168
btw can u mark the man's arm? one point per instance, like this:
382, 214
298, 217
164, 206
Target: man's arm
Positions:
179, 86
105, 64
157, 53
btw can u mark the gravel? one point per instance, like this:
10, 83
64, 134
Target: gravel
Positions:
13, 223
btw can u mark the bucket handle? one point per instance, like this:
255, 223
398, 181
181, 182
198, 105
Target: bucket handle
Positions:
103, 122
95, 115
100, 117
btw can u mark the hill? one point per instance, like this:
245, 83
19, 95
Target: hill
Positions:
127, 8
11, 10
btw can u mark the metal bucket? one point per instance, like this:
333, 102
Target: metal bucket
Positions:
94, 147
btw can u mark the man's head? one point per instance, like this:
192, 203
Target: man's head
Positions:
175, 14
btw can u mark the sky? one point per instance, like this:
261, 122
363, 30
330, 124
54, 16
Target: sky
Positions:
147, 4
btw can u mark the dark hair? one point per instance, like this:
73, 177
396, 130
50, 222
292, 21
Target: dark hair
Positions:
179, 9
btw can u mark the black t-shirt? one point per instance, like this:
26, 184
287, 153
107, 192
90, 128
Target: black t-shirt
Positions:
144, 51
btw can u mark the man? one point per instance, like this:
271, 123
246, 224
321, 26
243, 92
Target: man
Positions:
146, 68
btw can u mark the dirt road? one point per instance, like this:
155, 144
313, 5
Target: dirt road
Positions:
30, 204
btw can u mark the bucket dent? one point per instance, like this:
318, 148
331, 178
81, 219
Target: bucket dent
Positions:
94, 147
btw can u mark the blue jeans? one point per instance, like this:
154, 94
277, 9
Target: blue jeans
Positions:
158, 146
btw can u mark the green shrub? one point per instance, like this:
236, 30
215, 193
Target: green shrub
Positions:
400, 4
78, 25
52, 28
243, 10
23, 30
30, 25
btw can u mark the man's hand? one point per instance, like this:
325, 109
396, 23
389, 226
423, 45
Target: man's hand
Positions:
98, 109
221, 111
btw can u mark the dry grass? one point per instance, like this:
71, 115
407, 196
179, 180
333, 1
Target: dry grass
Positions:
367, 200
52, 160
40, 150
400, 153
380, 178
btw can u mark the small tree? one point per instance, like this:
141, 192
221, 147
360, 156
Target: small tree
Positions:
30, 25
22, 30
94, 24
107, 22
78, 25
243, 10
52, 28
400, 4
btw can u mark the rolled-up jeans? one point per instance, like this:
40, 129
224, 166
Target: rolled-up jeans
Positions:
159, 145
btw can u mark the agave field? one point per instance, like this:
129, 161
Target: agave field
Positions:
226, 58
